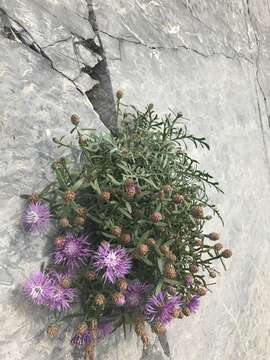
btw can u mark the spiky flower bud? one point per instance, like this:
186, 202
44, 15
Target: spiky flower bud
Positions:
156, 217
169, 271
52, 330
99, 299
139, 328
59, 241
75, 119
197, 211
81, 328
164, 249
178, 198
193, 268
64, 222
142, 249
218, 246
69, 195
118, 298
186, 311
119, 93
227, 253
105, 196
79, 221
125, 239
145, 339
158, 328
65, 282
202, 291
151, 242
116, 231
33, 197
89, 351
122, 284
214, 236
167, 189
90, 275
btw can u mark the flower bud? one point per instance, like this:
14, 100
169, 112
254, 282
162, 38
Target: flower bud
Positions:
99, 299
193, 268
75, 119
125, 239
164, 249
227, 253
122, 284
119, 94
52, 330
214, 236
156, 217
33, 197
178, 198
158, 328
151, 242
198, 242
118, 298
169, 271
65, 282
116, 231
167, 189
218, 246
202, 291
81, 212
142, 249
81, 328
64, 222
69, 195
105, 196
171, 290
186, 311
90, 275
59, 241
197, 211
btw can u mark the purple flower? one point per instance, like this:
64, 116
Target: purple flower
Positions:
161, 307
35, 217
135, 293
194, 303
83, 335
114, 261
38, 288
61, 295
74, 251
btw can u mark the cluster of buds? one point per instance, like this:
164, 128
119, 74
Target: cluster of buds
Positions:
165, 250
139, 327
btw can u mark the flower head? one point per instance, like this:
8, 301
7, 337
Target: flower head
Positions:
35, 217
104, 329
135, 293
83, 335
114, 261
38, 288
74, 251
194, 303
160, 308
60, 296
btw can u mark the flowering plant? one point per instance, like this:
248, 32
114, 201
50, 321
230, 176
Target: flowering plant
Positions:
131, 246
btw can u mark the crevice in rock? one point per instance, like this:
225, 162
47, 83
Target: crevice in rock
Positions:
101, 95
237, 55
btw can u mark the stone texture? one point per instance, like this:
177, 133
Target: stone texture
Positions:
209, 59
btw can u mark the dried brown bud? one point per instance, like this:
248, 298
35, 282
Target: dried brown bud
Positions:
171, 290
158, 328
116, 231
156, 217
176, 313
212, 274
81, 328
178, 198
151, 242
138, 318
197, 211
69, 195
59, 241
218, 246
125, 239
227, 253
33, 197
122, 284
90, 275
139, 328
198, 242
167, 189
142, 249
78, 220
193, 268
81, 212
65, 282
214, 236
164, 249
145, 339
64, 223
52, 330
169, 271
186, 311
90, 351
75, 119
202, 291
105, 196
119, 94
99, 299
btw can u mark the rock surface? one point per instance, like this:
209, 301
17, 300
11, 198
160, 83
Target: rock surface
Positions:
208, 59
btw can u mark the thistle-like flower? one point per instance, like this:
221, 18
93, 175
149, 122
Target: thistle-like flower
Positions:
61, 296
35, 217
38, 288
114, 261
160, 308
135, 293
83, 335
74, 252
194, 304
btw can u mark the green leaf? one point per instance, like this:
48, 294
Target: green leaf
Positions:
113, 180
77, 185
160, 262
146, 261
159, 286
128, 206
125, 213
